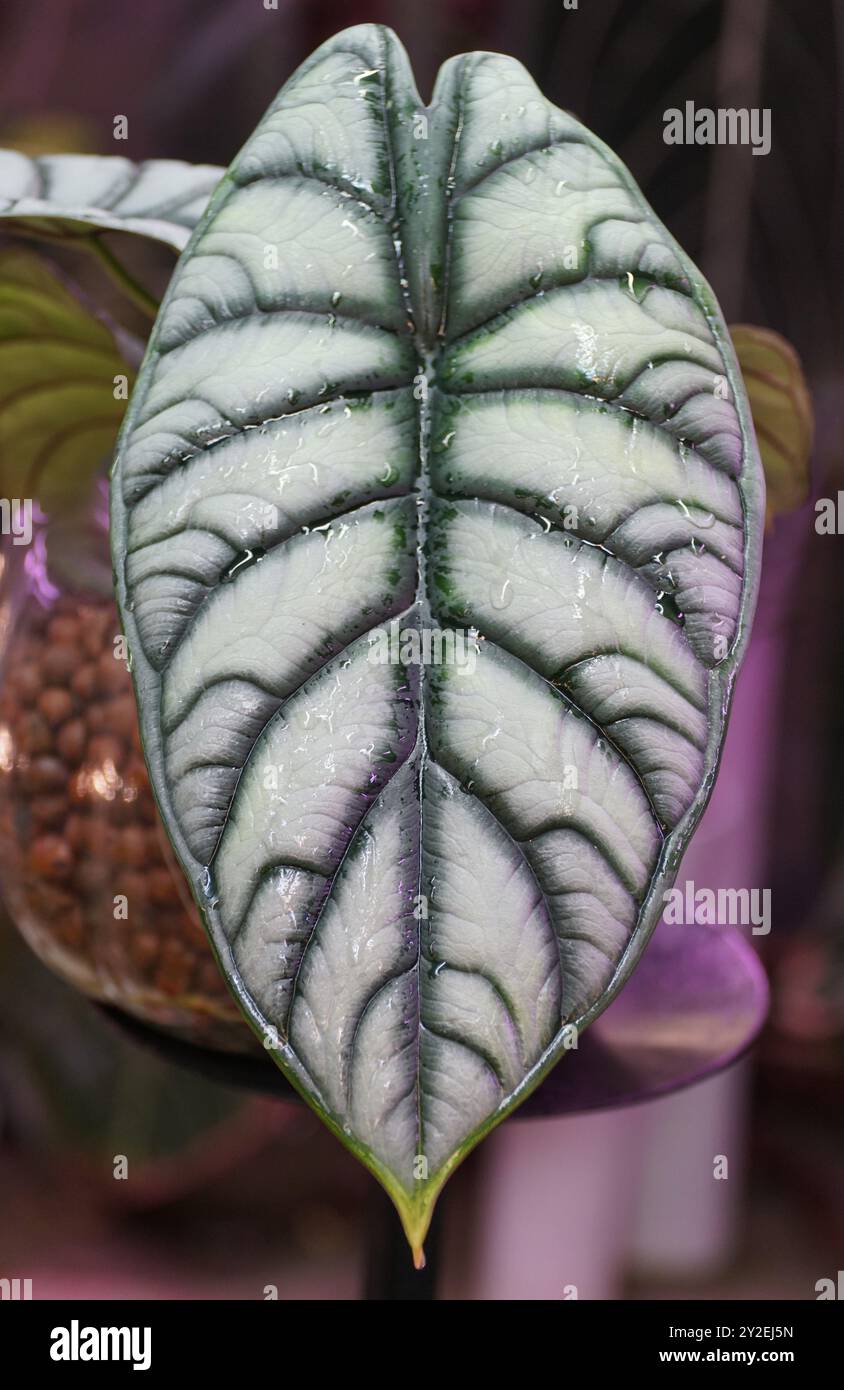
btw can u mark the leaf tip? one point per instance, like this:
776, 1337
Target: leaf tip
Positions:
415, 1213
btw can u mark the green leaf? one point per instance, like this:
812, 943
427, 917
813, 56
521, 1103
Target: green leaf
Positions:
79, 200
437, 371
782, 413
60, 409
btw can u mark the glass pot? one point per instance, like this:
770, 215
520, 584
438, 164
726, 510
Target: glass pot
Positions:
87, 873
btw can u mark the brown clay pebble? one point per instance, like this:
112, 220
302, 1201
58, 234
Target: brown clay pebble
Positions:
102, 835
55, 704
95, 718
79, 786
111, 673
84, 681
70, 741
76, 831
51, 857
131, 847
119, 716
175, 969
44, 774
49, 810
134, 885
102, 749
92, 639
59, 664
35, 735
64, 630
162, 887
121, 811
92, 876
28, 683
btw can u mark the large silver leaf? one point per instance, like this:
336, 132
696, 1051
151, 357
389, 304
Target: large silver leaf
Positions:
437, 369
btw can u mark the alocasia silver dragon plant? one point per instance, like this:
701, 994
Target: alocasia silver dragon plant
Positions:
431, 370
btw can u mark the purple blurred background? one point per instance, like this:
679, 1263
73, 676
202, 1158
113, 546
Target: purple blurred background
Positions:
230, 1194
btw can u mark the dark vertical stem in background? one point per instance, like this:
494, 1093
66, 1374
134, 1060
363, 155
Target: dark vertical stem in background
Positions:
730, 192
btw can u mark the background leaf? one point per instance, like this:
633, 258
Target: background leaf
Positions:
782, 413
79, 200
441, 366
79, 195
59, 414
